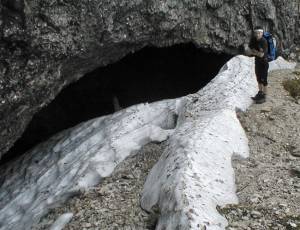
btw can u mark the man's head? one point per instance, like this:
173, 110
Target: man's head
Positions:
258, 32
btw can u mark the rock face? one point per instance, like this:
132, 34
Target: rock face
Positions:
45, 45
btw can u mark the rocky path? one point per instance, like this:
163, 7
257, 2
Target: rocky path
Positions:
268, 183
114, 204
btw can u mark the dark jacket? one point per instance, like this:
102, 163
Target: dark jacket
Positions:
260, 45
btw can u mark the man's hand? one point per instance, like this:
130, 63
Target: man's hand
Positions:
257, 53
253, 52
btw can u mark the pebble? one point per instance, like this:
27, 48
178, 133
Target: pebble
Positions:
296, 152
266, 110
86, 225
293, 225
256, 214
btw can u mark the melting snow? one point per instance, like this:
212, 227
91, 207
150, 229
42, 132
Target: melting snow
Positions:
193, 175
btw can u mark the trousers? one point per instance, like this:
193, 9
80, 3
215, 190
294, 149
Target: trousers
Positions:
261, 72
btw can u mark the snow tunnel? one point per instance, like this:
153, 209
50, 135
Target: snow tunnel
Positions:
148, 75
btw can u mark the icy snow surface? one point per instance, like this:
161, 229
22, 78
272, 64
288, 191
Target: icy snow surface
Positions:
77, 158
193, 175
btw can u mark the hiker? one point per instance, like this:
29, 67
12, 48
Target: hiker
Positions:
259, 48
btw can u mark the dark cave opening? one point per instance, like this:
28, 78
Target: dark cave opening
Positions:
147, 75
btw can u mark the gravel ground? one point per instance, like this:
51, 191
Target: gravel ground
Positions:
268, 182
114, 204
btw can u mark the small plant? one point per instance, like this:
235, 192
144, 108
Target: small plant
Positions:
293, 87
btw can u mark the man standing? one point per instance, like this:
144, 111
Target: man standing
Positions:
259, 48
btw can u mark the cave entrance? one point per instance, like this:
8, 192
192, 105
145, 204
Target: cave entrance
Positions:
148, 75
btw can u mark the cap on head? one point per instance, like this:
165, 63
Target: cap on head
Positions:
258, 29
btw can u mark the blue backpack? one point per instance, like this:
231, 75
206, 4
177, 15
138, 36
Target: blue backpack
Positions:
271, 46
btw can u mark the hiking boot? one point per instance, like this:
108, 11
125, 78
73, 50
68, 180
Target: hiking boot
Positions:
261, 99
258, 96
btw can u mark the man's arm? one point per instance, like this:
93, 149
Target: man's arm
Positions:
259, 53
252, 51
263, 49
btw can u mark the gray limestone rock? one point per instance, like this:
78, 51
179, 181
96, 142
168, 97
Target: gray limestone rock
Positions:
47, 44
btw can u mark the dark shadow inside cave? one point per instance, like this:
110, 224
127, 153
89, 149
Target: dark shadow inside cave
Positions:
147, 75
